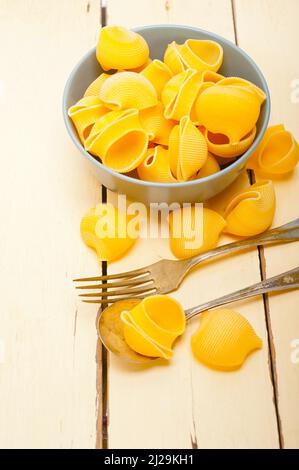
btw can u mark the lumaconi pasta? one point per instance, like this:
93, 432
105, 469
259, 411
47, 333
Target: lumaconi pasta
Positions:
148, 332
95, 87
105, 230
251, 211
193, 231
196, 54
277, 154
119, 140
85, 113
128, 90
224, 339
158, 74
229, 110
187, 149
156, 166
210, 167
242, 83
219, 144
120, 49
156, 125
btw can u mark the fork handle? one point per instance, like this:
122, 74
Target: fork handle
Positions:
285, 281
285, 233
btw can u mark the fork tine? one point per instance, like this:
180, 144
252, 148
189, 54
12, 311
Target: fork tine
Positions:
112, 285
128, 292
107, 277
116, 299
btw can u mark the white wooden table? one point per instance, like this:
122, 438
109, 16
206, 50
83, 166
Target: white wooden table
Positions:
57, 389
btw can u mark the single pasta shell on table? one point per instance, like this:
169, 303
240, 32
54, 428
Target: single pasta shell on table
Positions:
219, 144
85, 113
188, 150
180, 93
224, 339
201, 54
158, 74
210, 167
153, 325
156, 166
194, 230
119, 140
277, 154
95, 87
172, 58
128, 90
229, 110
118, 48
106, 230
155, 124
251, 211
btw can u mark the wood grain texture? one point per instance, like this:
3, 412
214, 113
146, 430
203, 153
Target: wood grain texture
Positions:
185, 405
277, 22
48, 377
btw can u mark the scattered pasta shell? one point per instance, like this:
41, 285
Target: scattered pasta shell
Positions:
210, 167
224, 340
158, 74
277, 154
172, 58
251, 211
128, 90
202, 54
219, 144
156, 166
188, 150
109, 232
119, 140
180, 93
118, 48
156, 125
194, 230
153, 325
85, 113
95, 87
229, 110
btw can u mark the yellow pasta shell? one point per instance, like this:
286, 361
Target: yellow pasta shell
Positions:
187, 150
118, 48
201, 54
142, 67
128, 90
180, 93
193, 231
210, 167
119, 140
105, 230
85, 113
277, 154
241, 82
224, 340
95, 87
172, 58
156, 166
158, 74
229, 110
219, 144
155, 124
152, 326
251, 211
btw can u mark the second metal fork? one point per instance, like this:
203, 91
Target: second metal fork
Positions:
165, 276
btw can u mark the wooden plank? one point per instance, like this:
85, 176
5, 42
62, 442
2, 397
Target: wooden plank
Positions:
48, 375
274, 46
185, 405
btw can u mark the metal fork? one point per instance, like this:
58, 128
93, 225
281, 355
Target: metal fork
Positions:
166, 275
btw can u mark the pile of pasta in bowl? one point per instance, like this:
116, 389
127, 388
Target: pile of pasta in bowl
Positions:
165, 121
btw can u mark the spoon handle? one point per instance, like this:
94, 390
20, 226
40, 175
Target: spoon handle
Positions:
285, 281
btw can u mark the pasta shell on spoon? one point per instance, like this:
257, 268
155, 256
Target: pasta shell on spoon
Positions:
251, 211
119, 48
128, 90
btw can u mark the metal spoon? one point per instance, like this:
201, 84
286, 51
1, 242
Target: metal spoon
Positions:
110, 326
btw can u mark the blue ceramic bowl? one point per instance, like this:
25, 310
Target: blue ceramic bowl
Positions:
236, 63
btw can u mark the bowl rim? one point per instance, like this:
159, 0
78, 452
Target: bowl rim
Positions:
183, 184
